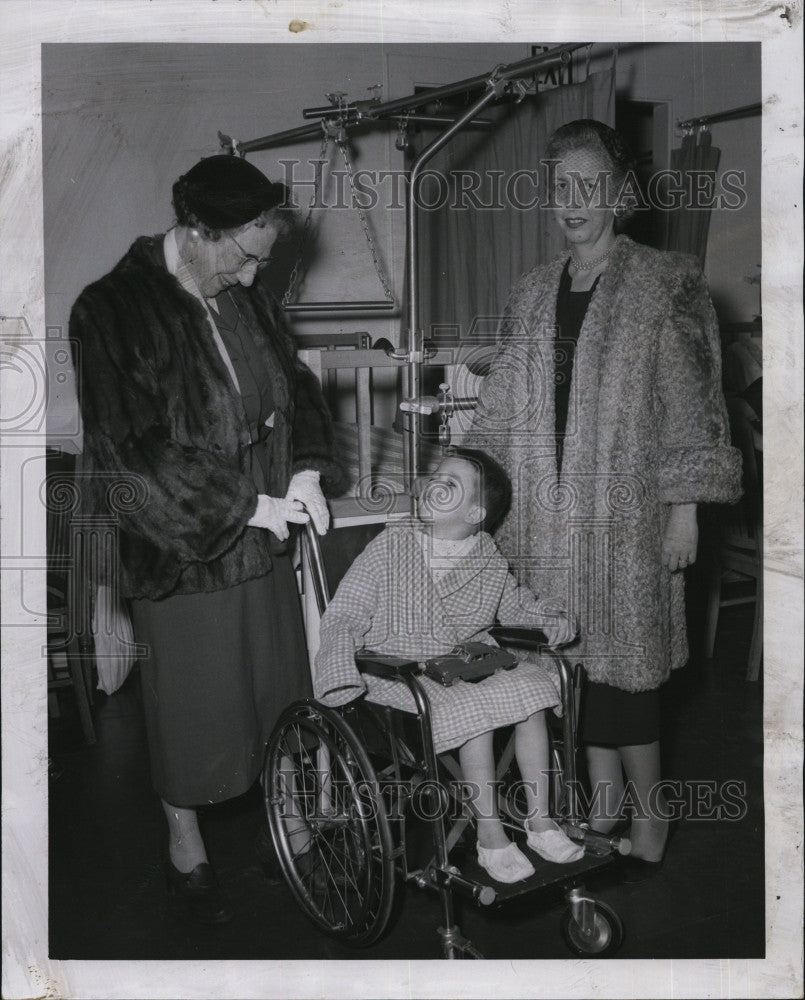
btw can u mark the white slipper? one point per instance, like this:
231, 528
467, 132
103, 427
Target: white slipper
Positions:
554, 845
505, 864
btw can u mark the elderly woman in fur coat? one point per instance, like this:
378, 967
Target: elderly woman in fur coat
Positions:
192, 390
604, 404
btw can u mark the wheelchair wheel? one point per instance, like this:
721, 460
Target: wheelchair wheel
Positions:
605, 938
329, 823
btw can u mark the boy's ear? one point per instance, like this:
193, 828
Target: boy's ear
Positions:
476, 514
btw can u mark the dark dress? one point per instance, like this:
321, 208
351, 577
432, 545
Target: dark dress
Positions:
224, 664
609, 716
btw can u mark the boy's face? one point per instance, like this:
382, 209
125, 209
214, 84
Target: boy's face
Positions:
451, 496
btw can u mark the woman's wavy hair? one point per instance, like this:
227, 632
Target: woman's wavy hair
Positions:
590, 134
225, 192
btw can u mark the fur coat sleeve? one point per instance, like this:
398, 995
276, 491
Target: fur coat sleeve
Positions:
647, 428
161, 415
696, 463
196, 497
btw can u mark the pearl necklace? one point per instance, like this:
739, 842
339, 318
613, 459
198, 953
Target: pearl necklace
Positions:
593, 263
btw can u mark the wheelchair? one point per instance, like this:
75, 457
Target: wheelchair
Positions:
341, 787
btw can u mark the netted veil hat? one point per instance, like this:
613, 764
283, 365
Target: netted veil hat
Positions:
223, 192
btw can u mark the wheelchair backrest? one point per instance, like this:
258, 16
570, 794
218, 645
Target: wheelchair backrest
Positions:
331, 555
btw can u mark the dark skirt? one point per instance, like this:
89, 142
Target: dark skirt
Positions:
614, 718
222, 666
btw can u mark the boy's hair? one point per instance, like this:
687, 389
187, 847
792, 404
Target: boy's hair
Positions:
496, 488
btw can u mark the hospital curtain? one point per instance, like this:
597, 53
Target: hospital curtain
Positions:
697, 161
471, 255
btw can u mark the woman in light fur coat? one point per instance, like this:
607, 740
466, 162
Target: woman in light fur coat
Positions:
604, 404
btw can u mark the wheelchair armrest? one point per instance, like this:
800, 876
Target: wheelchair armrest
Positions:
390, 668
518, 636
526, 637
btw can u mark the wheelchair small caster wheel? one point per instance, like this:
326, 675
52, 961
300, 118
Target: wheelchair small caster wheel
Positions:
605, 935
455, 945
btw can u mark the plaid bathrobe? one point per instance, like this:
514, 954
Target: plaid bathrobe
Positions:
390, 602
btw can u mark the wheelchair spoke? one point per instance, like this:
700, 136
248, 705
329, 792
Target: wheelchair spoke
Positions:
341, 859
329, 819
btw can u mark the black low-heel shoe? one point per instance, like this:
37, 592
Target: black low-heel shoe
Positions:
633, 871
199, 892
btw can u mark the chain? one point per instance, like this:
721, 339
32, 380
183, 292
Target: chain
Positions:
336, 133
295, 277
342, 144
446, 410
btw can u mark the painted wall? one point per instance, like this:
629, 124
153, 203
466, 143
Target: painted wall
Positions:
705, 79
121, 122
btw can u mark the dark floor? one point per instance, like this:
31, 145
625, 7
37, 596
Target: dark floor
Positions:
107, 898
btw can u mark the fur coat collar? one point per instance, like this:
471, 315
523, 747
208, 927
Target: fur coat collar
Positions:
163, 419
646, 428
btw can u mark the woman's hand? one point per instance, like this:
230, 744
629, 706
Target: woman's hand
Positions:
274, 515
304, 487
681, 537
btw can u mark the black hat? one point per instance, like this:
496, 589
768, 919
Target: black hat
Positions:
223, 192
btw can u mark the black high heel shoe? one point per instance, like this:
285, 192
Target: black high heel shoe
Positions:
199, 892
633, 871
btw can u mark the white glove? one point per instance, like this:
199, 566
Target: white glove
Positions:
274, 514
304, 487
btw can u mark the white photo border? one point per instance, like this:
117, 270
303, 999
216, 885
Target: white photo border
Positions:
27, 970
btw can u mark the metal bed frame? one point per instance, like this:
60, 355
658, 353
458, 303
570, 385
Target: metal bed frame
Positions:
337, 119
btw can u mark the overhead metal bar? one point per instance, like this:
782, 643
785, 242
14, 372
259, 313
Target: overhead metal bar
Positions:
313, 130
373, 111
745, 111
514, 71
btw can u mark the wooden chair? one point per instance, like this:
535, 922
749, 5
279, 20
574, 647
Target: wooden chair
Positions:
737, 557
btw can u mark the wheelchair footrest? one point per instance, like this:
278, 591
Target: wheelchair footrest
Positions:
546, 875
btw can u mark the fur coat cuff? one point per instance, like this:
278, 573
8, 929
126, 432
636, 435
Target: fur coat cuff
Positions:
701, 475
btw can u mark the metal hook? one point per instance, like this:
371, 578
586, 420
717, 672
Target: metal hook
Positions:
334, 130
496, 82
402, 141
230, 145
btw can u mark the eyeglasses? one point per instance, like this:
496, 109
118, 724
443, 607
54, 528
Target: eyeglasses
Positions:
249, 258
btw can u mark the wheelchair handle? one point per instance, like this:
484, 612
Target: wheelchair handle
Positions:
312, 548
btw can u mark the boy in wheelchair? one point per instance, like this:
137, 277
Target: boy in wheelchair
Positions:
419, 589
